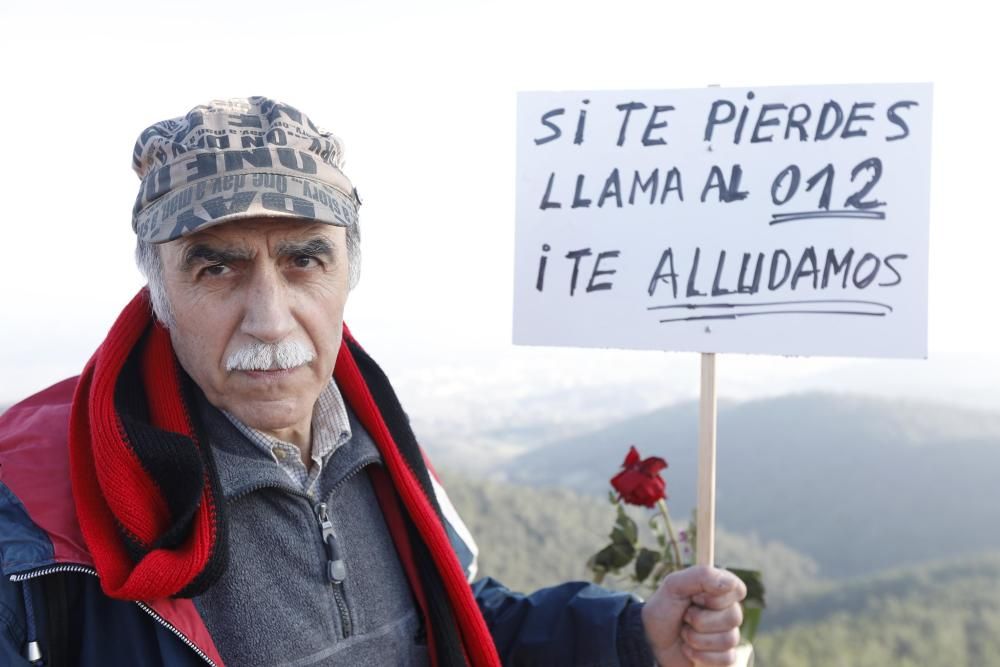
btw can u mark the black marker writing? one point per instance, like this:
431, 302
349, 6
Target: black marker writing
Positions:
546, 121
888, 264
896, 119
628, 108
659, 275
591, 286
653, 125
727, 193
578, 137
542, 261
576, 255
691, 291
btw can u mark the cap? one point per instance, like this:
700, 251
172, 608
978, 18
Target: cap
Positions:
233, 159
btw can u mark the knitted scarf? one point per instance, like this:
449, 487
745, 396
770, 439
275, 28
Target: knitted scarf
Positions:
150, 505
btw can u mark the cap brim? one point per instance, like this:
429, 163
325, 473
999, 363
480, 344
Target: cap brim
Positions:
241, 196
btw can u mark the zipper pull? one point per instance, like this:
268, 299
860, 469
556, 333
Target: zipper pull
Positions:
336, 571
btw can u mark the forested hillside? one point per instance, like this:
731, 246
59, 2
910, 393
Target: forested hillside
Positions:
941, 614
938, 615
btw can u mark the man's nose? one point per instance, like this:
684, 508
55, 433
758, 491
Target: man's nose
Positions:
267, 313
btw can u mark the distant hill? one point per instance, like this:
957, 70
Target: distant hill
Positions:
858, 484
530, 538
940, 615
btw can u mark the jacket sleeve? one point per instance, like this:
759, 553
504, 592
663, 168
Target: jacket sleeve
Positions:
11, 626
574, 623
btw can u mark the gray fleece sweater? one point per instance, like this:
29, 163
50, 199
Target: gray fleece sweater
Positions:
312, 579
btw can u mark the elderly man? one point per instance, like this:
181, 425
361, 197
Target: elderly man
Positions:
232, 480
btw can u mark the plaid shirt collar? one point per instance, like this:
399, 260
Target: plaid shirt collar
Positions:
330, 430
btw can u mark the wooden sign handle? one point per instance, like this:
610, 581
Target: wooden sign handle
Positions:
705, 548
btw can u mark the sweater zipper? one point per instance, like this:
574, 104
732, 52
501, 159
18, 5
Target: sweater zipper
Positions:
336, 570
82, 569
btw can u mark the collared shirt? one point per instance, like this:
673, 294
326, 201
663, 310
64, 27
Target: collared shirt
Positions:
330, 429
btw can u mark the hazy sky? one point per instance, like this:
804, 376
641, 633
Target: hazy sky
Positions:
424, 96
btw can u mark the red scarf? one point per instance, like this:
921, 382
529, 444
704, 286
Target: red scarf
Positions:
148, 499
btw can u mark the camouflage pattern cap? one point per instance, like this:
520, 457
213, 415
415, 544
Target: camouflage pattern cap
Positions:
238, 158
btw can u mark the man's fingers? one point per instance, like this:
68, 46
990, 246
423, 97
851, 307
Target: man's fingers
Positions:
696, 590
707, 583
720, 601
711, 641
712, 620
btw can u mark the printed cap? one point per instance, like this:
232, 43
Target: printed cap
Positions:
238, 158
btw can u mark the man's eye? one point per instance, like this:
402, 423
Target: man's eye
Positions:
215, 270
305, 261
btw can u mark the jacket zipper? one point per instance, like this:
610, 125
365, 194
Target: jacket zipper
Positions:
82, 569
335, 567
336, 570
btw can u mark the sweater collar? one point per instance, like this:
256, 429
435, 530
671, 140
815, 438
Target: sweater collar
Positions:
243, 466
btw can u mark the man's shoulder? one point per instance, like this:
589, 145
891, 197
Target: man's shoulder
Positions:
53, 402
39, 422
36, 502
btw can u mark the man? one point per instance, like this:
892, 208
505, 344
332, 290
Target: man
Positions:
240, 484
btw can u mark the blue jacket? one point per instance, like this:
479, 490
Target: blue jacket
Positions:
50, 589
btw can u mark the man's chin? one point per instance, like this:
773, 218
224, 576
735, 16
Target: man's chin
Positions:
272, 417
270, 400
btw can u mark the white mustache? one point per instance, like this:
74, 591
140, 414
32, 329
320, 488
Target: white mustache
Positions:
270, 356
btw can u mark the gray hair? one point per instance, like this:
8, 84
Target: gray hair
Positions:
150, 263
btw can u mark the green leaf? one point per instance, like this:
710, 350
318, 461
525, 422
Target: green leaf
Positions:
754, 581
614, 556
624, 534
627, 527
751, 619
599, 571
644, 563
601, 560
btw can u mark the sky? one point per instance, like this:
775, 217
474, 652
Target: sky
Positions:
424, 97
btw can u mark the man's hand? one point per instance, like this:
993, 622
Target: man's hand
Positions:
694, 617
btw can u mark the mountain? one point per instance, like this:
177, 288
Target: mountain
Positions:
856, 483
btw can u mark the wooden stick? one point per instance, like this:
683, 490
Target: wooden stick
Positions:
706, 463
705, 547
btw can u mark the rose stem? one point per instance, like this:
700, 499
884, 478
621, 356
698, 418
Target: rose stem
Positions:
670, 531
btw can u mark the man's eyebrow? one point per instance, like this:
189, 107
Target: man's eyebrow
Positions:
317, 246
202, 252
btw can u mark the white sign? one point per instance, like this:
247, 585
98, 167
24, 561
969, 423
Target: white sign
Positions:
788, 220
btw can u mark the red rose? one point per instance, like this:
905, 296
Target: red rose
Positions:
639, 483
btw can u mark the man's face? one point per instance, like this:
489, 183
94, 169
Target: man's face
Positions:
258, 281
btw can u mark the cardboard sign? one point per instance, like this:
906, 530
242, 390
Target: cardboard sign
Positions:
789, 220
